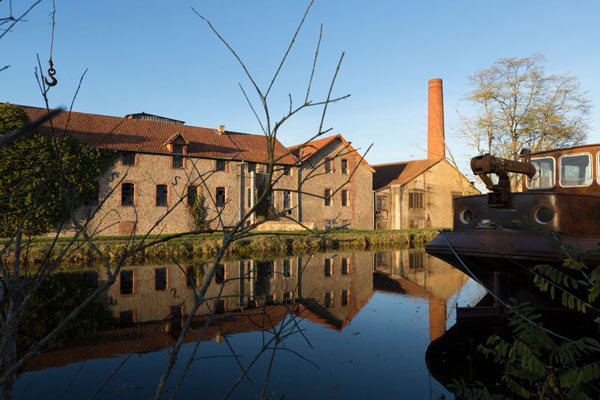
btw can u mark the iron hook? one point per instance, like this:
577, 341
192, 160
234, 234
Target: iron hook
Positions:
51, 73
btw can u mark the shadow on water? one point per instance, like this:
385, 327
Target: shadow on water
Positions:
360, 320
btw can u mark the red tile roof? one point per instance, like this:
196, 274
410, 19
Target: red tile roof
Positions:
149, 137
149, 337
312, 147
400, 173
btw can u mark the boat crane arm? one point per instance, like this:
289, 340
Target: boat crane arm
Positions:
489, 164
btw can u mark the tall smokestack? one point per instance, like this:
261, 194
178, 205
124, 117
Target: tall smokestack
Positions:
435, 121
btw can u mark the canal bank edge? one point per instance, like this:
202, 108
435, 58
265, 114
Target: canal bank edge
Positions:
205, 246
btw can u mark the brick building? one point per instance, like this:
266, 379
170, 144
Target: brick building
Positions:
164, 165
419, 193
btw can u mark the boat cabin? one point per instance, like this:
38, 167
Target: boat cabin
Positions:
569, 170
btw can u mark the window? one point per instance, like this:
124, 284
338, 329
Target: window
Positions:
161, 195
344, 297
286, 170
220, 165
126, 282
381, 260
94, 197
544, 173
287, 297
344, 266
286, 199
219, 306
91, 279
126, 317
328, 299
251, 166
177, 158
127, 190
192, 194
415, 200
220, 273
327, 197
344, 198
344, 166
380, 203
416, 260
249, 198
269, 270
128, 158
190, 275
575, 170
160, 279
327, 268
287, 268
220, 197
176, 317
328, 165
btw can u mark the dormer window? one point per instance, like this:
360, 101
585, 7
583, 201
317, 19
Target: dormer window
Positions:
177, 145
177, 161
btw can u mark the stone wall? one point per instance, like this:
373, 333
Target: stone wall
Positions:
334, 296
313, 180
150, 170
438, 186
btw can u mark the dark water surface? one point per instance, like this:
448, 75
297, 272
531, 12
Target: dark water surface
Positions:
353, 325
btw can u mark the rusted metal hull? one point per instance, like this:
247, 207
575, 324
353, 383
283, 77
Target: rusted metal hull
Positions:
511, 241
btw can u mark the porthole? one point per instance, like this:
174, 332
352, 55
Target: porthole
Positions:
466, 216
543, 215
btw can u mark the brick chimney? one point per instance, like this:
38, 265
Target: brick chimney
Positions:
435, 121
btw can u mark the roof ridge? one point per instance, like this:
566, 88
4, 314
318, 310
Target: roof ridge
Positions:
402, 162
140, 121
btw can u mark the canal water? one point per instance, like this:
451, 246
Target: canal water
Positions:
331, 325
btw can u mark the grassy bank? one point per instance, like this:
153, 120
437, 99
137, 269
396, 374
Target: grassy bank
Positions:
264, 245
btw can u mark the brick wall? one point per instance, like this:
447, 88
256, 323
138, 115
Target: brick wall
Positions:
151, 170
314, 181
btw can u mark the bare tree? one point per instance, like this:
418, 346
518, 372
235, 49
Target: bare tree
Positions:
518, 105
22, 279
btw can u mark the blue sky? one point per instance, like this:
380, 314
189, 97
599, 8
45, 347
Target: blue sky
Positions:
158, 57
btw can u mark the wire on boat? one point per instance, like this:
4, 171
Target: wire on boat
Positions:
558, 335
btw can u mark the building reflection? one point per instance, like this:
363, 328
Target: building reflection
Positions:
415, 273
152, 303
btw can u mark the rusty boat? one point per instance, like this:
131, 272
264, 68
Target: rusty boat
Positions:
506, 232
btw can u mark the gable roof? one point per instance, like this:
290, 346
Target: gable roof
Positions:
144, 136
400, 173
311, 148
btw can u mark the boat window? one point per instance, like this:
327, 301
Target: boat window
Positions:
575, 170
544, 173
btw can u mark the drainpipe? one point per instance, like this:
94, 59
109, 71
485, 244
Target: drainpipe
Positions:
253, 195
242, 190
374, 211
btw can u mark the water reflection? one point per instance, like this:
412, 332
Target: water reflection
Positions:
418, 274
152, 304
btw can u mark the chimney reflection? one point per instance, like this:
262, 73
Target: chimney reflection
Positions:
417, 274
